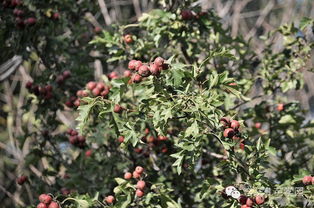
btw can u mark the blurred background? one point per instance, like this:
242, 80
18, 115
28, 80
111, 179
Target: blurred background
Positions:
247, 18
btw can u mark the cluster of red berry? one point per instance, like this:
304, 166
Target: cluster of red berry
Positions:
232, 130
189, 15
145, 70
21, 180
245, 201
46, 202
308, 180
76, 139
62, 77
43, 91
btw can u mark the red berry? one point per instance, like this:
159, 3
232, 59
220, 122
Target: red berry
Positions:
21, 180
144, 71
139, 193
100, 86
73, 140
242, 145
127, 175
258, 125
307, 180
154, 69
235, 124
66, 74
164, 150
15, 3
162, 138
113, 75
56, 16
140, 185
137, 65
69, 104
259, 199
53, 205
81, 139
121, 139
96, 92
117, 108
138, 150
131, 64
280, 107
65, 191
97, 29
242, 199
159, 61
150, 139
136, 78
91, 85
79, 93
110, 199
88, 153
249, 202
29, 85
74, 133
139, 169
77, 102
187, 15
229, 132
18, 12
128, 39
69, 131
48, 88
30, 21
127, 73
136, 174
105, 92
146, 131
59, 79
41, 205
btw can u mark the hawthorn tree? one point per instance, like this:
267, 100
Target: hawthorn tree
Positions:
179, 128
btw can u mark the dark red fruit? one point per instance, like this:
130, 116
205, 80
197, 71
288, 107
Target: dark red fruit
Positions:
164, 150
154, 69
59, 79
159, 61
128, 39
307, 180
56, 16
144, 71
229, 132
105, 92
73, 140
235, 124
74, 133
81, 139
21, 180
88, 153
91, 85
162, 138
136, 78
18, 12
225, 121
100, 86
69, 104
29, 85
187, 15
15, 3
242, 199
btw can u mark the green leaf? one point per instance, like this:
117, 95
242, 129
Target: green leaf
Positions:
287, 119
192, 130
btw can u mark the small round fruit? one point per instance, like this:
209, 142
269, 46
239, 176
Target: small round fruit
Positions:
113, 75
121, 139
81, 139
242, 199
105, 92
307, 180
140, 185
30, 21
41, 205
127, 176
74, 133
242, 146
73, 140
159, 61
91, 85
97, 29
117, 108
139, 193
139, 169
21, 180
131, 64
150, 139
144, 71
154, 69
110, 199
280, 107
96, 92
258, 125
162, 138
127, 73
128, 39
229, 132
249, 202
56, 16
53, 205
136, 174
77, 102
137, 65
100, 86
29, 85
187, 15
45, 198
88, 153
259, 199
235, 124
66, 74
136, 78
